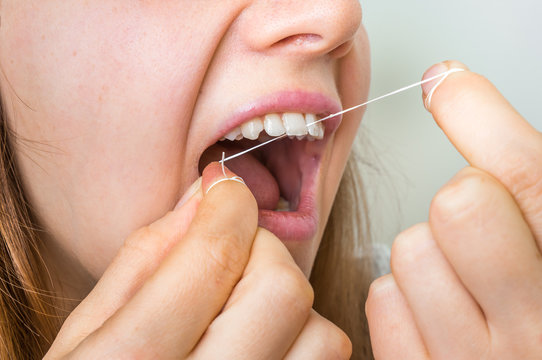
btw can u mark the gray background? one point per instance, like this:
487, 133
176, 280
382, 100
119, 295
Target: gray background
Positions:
409, 157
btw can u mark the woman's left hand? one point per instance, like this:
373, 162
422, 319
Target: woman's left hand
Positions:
468, 283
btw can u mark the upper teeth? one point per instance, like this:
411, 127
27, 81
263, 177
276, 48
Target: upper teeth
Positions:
292, 124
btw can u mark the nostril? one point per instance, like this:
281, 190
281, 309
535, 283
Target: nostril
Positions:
341, 50
308, 28
299, 40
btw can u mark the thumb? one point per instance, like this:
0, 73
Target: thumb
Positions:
137, 259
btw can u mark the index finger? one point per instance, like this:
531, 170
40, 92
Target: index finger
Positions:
491, 135
177, 303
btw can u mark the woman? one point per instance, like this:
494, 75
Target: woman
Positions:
113, 110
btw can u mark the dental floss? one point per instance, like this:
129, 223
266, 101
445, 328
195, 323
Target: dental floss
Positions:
430, 95
444, 75
226, 178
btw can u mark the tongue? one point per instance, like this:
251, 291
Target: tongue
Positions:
259, 180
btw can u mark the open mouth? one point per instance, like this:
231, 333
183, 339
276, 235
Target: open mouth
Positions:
283, 175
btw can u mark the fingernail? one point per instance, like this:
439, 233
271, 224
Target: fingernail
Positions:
435, 70
192, 190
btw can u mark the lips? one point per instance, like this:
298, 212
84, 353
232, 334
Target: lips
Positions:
282, 102
282, 175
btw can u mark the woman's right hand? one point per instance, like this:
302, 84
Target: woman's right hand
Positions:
203, 282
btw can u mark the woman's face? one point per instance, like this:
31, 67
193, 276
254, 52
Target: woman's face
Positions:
115, 101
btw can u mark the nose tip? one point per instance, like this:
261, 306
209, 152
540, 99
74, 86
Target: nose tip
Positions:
299, 26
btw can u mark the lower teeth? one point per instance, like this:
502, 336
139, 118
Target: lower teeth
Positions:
283, 205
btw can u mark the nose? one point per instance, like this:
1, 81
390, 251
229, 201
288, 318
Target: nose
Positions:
301, 27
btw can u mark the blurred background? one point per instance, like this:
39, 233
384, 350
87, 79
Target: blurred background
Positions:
408, 156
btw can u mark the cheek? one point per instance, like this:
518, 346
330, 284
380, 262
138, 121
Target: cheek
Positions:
110, 92
75, 64
354, 81
91, 76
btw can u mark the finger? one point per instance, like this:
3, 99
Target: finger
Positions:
449, 320
320, 339
480, 229
394, 334
491, 135
192, 283
139, 257
265, 312
482, 233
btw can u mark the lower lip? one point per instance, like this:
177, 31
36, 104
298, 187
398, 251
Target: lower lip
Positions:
300, 225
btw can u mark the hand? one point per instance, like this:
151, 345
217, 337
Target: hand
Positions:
468, 284
203, 282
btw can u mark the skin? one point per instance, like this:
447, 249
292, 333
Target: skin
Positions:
116, 112
87, 84
466, 284
111, 104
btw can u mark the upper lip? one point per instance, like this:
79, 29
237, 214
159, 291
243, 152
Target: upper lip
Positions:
280, 102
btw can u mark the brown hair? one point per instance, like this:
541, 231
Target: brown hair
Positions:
28, 315
344, 269
28, 320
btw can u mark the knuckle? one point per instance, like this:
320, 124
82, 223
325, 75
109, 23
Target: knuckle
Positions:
373, 297
343, 344
464, 197
139, 236
224, 255
524, 178
406, 250
338, 342
376, 292
332, 340
142, 244
288, 288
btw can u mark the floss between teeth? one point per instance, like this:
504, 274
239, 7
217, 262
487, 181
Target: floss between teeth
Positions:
444, 75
